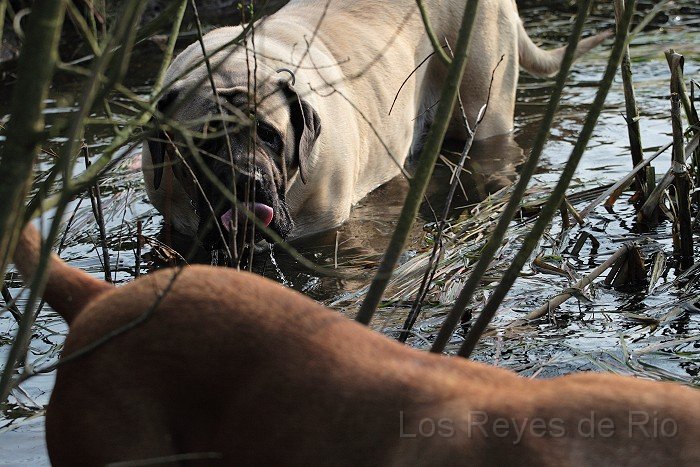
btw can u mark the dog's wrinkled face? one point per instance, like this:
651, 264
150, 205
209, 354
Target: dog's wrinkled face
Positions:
253, 146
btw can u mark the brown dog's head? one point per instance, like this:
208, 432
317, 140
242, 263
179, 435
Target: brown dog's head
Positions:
252, 144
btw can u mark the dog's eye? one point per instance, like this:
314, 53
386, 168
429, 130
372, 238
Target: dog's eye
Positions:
269, 136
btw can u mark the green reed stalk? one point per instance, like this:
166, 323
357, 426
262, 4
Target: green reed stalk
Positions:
527, 171
3, 8
425, 167
439, 51
112, 66
25, 133
550, 208
25, 130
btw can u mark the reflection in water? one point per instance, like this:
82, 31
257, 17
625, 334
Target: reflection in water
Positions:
491, 166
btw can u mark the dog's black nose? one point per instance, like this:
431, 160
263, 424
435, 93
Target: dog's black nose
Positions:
249, 186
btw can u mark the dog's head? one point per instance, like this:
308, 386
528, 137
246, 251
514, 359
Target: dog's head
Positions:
245, 146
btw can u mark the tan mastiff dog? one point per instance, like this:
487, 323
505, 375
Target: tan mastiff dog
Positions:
330, 118
235, 369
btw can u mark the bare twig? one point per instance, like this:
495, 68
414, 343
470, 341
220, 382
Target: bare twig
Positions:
580, 285
227, 137
10, 304
431, 34
139, 239
335, 254
96, 202
396, 97
431, 269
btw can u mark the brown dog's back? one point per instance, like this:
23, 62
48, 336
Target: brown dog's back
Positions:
232, 366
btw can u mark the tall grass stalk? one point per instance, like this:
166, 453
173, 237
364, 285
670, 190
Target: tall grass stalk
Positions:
527, 171
439, 51
25, 133
169, 51
108, 69
631, 109
3, 9
425, 167
550, 208
25, 130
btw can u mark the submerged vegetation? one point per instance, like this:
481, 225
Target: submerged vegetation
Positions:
518, 265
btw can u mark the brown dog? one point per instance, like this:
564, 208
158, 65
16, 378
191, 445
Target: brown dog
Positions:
235, 367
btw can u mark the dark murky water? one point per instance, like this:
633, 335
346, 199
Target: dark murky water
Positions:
599, 335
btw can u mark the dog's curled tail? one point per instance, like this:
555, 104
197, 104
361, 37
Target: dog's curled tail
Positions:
542, 62
68, 290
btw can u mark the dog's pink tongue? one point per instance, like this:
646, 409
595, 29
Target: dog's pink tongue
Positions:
261, 211
226, 220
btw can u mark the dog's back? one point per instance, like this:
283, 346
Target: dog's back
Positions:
225, 364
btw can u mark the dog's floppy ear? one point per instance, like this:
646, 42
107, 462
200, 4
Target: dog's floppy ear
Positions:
157, 150
156, 146
307, 128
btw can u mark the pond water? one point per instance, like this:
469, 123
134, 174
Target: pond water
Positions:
607, 333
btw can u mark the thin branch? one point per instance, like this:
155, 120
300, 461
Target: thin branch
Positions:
396, 97
431, 268
24, 134
98, 213
431, 34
